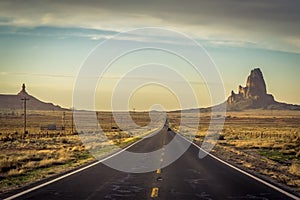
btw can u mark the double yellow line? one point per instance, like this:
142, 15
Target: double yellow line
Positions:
154, 192
158, 171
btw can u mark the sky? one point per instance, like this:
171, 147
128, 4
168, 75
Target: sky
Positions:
44, 44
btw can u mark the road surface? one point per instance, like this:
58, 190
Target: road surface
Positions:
187, 178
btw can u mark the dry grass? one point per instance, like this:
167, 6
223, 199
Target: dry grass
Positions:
40, 153
262, 141
295, 169
265, 142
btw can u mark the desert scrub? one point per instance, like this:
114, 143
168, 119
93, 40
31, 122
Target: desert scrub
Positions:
42, 153
264, 141
30, 159
295, 169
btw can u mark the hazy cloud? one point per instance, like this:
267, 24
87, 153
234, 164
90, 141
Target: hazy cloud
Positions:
268, 23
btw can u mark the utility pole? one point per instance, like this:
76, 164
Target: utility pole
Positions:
111, 116
72, 120
24, 99
63, 127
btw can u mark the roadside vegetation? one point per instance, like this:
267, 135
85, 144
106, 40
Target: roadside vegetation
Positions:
48, 149
263, 142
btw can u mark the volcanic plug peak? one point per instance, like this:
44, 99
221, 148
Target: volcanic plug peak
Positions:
254, 94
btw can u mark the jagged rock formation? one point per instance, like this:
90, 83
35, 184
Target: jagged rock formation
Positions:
14, 102
23, 91
254, 95
255, 91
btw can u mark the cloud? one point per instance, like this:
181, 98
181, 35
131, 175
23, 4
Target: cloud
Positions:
35, 74
106, 77
262, 22
58, 32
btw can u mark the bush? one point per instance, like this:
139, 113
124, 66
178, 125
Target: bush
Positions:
295, 169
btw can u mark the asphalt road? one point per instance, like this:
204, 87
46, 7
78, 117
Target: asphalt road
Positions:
187, 178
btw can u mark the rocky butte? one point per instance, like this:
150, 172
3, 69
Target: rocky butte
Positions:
254, 95
14, 102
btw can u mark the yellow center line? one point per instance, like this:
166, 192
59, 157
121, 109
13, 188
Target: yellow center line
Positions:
158, 171
154, 192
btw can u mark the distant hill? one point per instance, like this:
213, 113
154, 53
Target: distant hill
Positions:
254, 96
15, 102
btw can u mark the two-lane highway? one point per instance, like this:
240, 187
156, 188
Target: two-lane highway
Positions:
187, 178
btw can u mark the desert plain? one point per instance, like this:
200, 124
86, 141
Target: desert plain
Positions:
262, 142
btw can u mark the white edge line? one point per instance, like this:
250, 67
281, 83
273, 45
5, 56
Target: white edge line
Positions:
244, 172
78, 170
